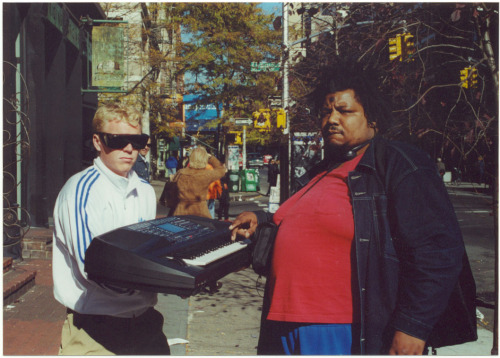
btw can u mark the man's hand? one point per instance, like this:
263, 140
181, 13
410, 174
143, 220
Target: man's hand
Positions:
404, 344
244, 225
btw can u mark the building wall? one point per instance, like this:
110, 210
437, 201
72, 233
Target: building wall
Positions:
57, 114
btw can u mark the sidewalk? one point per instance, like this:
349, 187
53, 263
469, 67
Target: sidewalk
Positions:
225, 323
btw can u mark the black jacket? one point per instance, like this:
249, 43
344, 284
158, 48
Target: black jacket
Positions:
408, 247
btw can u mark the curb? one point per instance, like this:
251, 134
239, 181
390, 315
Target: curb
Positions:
16, 283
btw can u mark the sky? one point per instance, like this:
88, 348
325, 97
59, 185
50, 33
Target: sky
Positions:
271, 7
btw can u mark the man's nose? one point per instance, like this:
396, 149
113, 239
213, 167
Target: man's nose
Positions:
333, 118
128, 148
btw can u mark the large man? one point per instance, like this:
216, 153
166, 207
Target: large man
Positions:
105, 320
368, 252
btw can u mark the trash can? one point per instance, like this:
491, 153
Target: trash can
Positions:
249, 180
234, 181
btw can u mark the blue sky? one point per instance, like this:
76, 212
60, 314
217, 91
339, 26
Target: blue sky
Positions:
271, 7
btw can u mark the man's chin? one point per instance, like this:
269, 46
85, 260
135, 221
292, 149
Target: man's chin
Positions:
333, 147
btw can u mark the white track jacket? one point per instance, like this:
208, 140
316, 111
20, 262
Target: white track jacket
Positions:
91, 203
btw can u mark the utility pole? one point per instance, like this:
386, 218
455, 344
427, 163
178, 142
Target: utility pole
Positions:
285, 150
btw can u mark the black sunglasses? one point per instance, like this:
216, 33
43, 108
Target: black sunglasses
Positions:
120, 141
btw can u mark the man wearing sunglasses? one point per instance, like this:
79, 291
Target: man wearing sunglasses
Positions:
141, 166
104, 320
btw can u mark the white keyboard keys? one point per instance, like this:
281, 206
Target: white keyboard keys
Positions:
215, 255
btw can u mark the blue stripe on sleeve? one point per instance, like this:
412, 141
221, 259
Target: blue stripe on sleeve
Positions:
88, 239
81, 229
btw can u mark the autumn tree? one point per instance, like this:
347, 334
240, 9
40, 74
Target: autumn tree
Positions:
223, 40
152, 34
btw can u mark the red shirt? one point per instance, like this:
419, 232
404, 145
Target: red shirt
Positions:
310, 278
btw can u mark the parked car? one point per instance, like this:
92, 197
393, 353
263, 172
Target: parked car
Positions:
254, 160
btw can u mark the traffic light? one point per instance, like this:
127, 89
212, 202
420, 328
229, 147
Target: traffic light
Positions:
408, 47
402, 47
464, 77
473, 78
262, 119
395, 48
280, 119
468, 77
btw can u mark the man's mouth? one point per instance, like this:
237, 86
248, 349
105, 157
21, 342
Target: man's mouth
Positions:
332, 131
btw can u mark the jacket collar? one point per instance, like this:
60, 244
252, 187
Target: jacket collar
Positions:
368, 159
124, 185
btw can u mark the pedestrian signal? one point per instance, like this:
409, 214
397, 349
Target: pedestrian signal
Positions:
234, 137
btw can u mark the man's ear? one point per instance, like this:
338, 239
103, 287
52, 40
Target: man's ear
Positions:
372, 125
97, 143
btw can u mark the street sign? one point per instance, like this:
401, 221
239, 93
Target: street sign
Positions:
275, 102
243, 121
265, 66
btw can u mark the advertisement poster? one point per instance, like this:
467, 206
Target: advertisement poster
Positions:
233, 157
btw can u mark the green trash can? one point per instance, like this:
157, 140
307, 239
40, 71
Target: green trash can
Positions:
234, 181
249, 180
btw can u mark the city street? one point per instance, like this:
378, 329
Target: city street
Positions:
474, 211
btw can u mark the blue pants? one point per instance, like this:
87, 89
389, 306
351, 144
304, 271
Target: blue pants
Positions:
313, 339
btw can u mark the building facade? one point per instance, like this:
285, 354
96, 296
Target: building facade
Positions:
47, 117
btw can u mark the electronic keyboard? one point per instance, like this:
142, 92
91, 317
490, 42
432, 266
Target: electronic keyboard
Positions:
179, 255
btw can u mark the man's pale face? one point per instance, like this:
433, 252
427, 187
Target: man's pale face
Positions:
343, 121
119, 161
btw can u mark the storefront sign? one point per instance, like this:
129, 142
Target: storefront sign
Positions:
107, 57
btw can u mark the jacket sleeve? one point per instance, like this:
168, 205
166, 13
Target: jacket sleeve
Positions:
218, 169
75, 225
263, 216
429, 246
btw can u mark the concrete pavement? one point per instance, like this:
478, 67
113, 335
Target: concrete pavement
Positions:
223, 323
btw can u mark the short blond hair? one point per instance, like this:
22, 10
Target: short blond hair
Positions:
115, 112
198, 159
